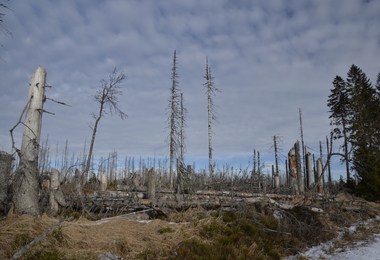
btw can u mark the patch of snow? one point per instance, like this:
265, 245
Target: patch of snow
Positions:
368, 249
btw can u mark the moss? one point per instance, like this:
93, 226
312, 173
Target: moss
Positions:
229, 216
21, 240
151, 254
234, 236
66, 213
58, 236
120, 246
165, 230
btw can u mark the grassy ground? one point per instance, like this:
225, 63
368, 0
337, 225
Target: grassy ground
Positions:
261, 231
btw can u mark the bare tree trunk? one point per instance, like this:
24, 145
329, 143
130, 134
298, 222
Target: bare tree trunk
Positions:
302, 168
299, 168
151, 184
293, 171
328, 161
103, 182
309, 168
56, 198
320, 175
209, 118
78, 182
258, 171
26, 184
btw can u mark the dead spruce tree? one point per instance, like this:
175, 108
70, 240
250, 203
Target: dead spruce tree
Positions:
211, 114
25, 182
174, 119
107, 97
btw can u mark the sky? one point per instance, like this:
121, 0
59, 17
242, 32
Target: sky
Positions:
268, 58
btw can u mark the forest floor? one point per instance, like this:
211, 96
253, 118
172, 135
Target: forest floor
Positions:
268, 230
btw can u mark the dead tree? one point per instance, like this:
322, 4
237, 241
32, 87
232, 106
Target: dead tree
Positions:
107, 97
302, 168
309, 168
293, 171
183, 113
299, 168
173, 119
25, 184
211, 114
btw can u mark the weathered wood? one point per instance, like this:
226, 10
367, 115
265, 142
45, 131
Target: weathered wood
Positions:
33, 118
26, 184
309, 168
151, 184
301, 186
5, 173
320, 176
54, 185
78, 182
293, 171
103, 182
56, 198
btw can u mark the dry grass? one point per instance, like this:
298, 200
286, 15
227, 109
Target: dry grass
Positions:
84, 239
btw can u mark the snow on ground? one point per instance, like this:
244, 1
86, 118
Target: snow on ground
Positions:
368, 249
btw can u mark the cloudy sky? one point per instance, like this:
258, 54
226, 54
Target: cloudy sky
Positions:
269, 59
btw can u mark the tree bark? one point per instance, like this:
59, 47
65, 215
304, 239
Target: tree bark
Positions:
26, 184
5, 173
151, 184
299, 168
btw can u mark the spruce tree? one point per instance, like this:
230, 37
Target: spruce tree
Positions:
338, 103
358, 104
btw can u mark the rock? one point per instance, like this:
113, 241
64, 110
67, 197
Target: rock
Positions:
109, 256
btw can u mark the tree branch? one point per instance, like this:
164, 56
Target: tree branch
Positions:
38, 239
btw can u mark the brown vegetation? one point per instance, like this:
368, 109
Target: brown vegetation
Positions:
265, 230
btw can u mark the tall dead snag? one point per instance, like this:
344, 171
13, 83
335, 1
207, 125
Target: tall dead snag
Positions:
107, 97
174, 119
25, 184
293, 171
299, 168
303, 162
211, 114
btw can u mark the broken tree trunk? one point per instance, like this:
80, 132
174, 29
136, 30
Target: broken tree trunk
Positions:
103, 182
293, 171
320, 176
25, 184
78, 182
309, 168
56, 198
151, 184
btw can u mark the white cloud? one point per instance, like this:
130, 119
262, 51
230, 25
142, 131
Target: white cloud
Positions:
269, 58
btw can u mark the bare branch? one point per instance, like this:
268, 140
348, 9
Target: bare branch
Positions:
38, 239
59, 102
